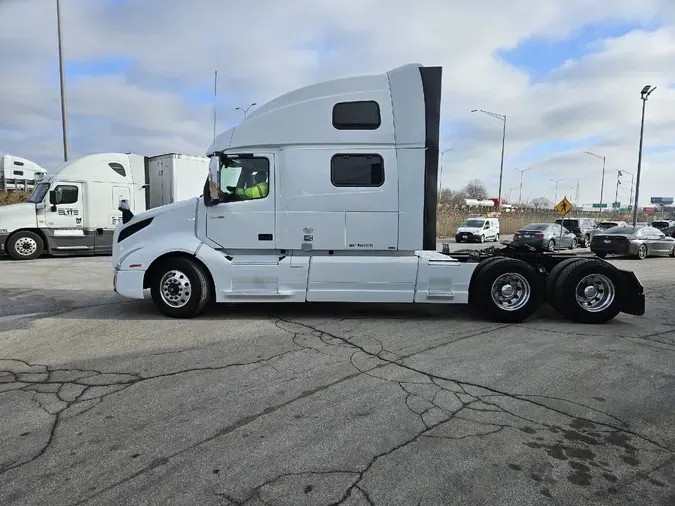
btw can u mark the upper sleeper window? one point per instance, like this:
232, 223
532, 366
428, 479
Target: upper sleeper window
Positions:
18, 173
362, 115
357, 170
18, 164
119, 168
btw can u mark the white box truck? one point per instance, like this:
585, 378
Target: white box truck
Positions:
18, 173
75, 209
328, 194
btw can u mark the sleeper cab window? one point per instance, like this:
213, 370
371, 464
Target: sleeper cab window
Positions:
361, 115
18, 173
66, 194
357, 170
118, 167
18, 164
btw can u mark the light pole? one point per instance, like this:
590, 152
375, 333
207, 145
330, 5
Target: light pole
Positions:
520, 191
510, 190
644, 95
62, 79
440, 179
245, 111
618, 183
602, 184
632, 182
501, 117
556, 181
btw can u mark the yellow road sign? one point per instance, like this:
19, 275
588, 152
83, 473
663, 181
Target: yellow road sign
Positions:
564, 207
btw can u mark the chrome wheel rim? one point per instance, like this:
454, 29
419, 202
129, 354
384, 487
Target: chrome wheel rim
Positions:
551, 246
175, 289
511, 291
595, 293
642, 251
25, 246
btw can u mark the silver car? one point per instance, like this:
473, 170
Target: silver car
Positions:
639, 242
548, 236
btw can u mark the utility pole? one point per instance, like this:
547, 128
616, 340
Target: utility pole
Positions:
576, 200
501, 117
618, 182
62, 79
520, 191
602, 183
245, 111
556, 181
215, 103
644, 96
440, 179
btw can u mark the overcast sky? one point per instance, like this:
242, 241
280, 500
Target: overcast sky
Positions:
567, 73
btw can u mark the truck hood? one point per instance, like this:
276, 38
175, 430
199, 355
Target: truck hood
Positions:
168, 208
469, 230
17, 216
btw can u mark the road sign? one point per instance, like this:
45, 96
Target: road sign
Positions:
616, 205
596, 206
664, 201
564, 207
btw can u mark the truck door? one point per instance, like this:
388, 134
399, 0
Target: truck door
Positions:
119, 193
67, 213
247, 222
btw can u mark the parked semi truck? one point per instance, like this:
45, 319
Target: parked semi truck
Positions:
344, 177
74, 211
18, 173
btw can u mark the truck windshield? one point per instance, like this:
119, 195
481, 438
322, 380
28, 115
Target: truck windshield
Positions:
39, 193
473, 223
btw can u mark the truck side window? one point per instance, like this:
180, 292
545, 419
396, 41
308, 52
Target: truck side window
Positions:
66, 194
18, 164
357, 170
18, 173
119, 168
245, 179
361, 115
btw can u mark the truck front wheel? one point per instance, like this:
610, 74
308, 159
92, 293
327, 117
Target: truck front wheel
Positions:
180, 288
25, 245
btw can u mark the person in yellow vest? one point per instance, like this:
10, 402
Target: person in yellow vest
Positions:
258, 191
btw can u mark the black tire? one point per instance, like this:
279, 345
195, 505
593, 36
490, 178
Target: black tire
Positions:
600, 254
458, 239
481, 265
642, 252
587, 241
497, 238
574, 244
482, 238
25, 245
568, 282
549, 287
672, 252
490, 273
551, 245
190, 281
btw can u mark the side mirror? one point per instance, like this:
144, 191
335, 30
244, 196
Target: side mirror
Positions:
213, 181
53, 200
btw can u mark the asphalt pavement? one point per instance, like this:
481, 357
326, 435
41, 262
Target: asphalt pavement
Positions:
104, 402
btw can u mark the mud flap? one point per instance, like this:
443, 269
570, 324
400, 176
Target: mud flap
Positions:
632, 294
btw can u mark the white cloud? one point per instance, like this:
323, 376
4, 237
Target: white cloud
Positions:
263, 48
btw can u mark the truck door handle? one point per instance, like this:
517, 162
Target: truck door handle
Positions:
264, 237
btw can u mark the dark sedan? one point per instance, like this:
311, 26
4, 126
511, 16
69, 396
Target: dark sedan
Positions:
669, 232
545, 236
639, 241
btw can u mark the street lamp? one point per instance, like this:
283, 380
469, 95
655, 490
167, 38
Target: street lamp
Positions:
520, 192
618, 183
632, 182
556, 181
510, 190
440, 179
501, 117
245, 111
602, 184
644, 95
62, 79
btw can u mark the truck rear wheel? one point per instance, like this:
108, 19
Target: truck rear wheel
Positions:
588, 291
25, 245
180, 288
507, 290
549, 288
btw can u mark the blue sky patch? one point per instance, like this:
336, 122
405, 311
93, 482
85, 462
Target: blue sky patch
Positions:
540, 56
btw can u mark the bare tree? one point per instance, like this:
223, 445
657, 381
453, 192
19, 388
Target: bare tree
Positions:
475, 189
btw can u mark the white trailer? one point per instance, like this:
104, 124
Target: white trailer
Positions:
74, 211
18, 173
328, 194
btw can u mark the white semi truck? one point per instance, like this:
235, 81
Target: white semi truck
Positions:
18, 173
74, 211
345, 175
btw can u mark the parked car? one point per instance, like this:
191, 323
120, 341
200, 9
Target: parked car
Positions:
669, 232
583, 228
638, 241
661, 224
545, 236
604, 225
478, 229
